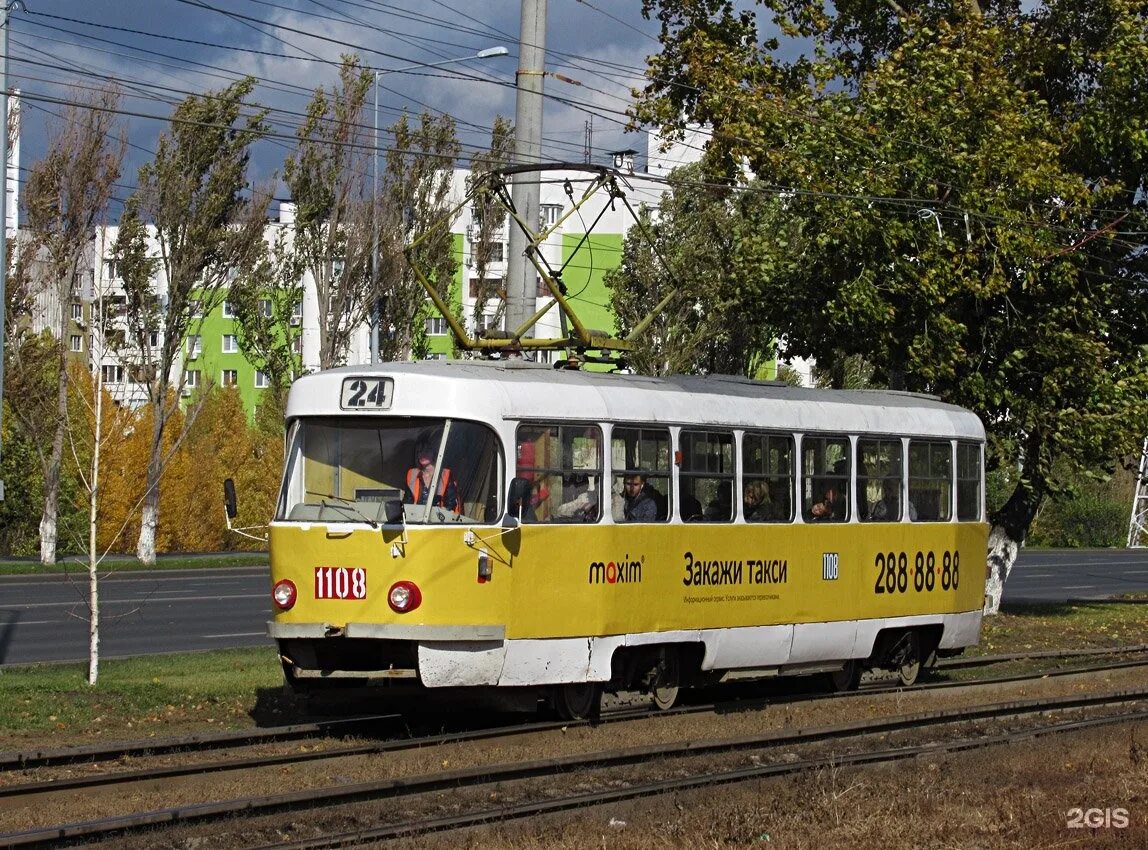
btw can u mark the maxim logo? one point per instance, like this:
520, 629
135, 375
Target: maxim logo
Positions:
624, 571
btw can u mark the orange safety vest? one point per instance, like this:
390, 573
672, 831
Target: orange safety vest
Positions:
415, 484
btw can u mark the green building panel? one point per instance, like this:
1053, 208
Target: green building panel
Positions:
217, 367
585, 277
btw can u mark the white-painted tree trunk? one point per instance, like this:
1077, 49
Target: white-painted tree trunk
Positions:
145, 547
93, 555
48, 531
1002, 552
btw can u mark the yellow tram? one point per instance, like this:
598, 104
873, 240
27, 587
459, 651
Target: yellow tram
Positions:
502, 524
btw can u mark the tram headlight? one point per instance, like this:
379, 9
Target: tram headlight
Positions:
404, 596
284, 594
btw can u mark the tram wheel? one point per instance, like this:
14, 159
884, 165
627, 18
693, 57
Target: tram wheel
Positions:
910, 667
667, 675
578, 701
845, 679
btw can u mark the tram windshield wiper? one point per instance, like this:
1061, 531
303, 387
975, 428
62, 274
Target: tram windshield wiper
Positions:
328, 500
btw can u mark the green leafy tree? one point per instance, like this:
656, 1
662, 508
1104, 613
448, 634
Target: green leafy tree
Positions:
66, 197
415, 199
489, 224
963, 184
332, 237
193, 197
702, 242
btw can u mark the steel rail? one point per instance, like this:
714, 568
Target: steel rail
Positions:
477, 776
418, 742
598, 798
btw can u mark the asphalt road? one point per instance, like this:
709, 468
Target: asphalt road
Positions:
45, 618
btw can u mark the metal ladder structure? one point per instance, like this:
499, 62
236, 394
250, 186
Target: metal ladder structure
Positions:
1138, 525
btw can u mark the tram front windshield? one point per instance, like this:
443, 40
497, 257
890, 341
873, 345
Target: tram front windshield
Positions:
342, 469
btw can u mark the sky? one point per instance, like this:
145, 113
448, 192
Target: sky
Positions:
160, 51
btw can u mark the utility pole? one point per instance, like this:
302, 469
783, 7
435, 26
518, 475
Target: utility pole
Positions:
520, 276
4, 9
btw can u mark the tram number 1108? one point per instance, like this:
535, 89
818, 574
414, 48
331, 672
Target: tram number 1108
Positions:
894, 574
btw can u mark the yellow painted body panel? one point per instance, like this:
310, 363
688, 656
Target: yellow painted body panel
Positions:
592, 580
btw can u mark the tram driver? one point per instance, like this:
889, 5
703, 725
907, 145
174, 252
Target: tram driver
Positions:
420, 478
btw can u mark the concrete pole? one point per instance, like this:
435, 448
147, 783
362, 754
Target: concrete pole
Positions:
521, 288
375, 234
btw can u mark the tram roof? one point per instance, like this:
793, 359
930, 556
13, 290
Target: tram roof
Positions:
492, 390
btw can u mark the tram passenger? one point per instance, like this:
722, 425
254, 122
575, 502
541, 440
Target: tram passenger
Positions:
755, 501
639, 504
581, 504
419, 480
831, 507
721, 508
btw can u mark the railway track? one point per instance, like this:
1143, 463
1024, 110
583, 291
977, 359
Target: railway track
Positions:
1132, 705
327, 729
23, 760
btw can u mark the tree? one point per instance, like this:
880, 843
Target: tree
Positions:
205, 229
959, 181
693, 243
415, 199
66, 197
489, 217
332, 237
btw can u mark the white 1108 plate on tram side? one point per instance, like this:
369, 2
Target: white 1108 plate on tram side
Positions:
367, 393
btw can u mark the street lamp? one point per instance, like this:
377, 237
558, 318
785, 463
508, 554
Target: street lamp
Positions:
486, 53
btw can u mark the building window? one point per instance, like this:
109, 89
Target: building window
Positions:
195, 307
491, 289
297, 310
153, 339
265, 308
228, 311
230, 344
112, 374
77, 342
436, 326
541, 290
490, 320
191, 378
77, 312
435, 356
111, 269
548, 214
194, 346
230, 377
261, 382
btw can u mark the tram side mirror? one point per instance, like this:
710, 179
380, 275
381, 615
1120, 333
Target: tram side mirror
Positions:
229, 502
393, 512
509, 522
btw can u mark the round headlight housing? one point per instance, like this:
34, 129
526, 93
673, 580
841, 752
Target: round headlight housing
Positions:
404, 596
284, 594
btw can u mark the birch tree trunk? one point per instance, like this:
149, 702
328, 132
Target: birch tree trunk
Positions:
93, 555
49, 519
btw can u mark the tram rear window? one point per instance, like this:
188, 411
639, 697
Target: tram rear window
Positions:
346, 470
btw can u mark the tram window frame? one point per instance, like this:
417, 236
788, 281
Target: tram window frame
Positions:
928, 483
883, 475
554, 487
706, 472
646, 451
821, 470
777, 473
969, 487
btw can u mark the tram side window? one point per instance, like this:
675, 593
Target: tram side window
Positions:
642, 457
968, 481
707, 476
825, 479
930, 481
879, 480
559, 473
767, 475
